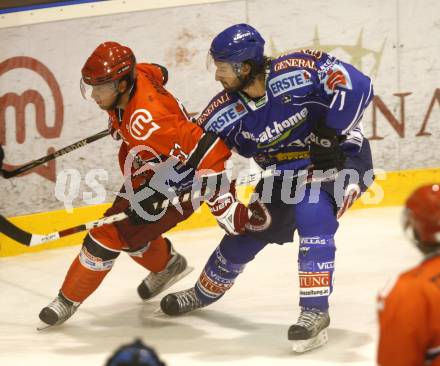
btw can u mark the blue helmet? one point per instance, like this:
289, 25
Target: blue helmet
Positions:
135, 354
238, 43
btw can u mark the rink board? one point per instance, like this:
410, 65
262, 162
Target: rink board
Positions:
396, 186
44, 110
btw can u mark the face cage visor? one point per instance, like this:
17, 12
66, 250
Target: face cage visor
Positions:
223, 69
101, 91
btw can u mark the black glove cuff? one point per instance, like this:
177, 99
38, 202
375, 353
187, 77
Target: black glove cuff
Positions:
325, 149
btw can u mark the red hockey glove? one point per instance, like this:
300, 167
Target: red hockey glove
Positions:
260, 219
231, 214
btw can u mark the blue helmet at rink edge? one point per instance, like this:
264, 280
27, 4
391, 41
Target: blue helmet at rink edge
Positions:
237, 44
135, 354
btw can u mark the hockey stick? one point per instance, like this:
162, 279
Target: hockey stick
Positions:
24, 168
29, 239
23, 237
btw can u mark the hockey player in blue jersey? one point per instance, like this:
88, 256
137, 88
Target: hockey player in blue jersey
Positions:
298, 112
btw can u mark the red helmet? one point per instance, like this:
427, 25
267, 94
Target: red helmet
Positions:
422, 217
110, 61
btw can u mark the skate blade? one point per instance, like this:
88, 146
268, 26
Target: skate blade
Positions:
43, 326
301, 346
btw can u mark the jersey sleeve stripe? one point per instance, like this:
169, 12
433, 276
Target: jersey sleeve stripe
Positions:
202, 149
356, 118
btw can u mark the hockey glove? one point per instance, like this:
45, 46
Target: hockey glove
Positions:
260, 218
231, 215
150, 208
325, 149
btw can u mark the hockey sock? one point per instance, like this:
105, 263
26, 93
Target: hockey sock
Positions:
316, 261
217, 277
88, 270
154, 256
317, 224
224, 266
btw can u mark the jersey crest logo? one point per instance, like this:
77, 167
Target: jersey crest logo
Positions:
141, 124
336, 76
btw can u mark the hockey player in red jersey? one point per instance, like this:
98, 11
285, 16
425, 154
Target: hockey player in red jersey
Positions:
154, 131
409, 308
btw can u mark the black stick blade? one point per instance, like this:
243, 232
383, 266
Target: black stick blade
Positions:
10, 230
7, 174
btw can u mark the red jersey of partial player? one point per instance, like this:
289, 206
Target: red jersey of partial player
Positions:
409, 315
153, 118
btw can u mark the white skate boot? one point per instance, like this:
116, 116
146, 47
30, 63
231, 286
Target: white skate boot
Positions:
57, 312
310, 331
154, 283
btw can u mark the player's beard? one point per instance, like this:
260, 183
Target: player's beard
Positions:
243, 82
229, 89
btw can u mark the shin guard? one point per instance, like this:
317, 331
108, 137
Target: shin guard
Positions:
88, 270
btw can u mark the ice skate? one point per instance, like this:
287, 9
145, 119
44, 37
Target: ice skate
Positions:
57, 312
181, 302
310, 331
154, 283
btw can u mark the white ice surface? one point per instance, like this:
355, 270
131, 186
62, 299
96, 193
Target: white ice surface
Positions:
247, 327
